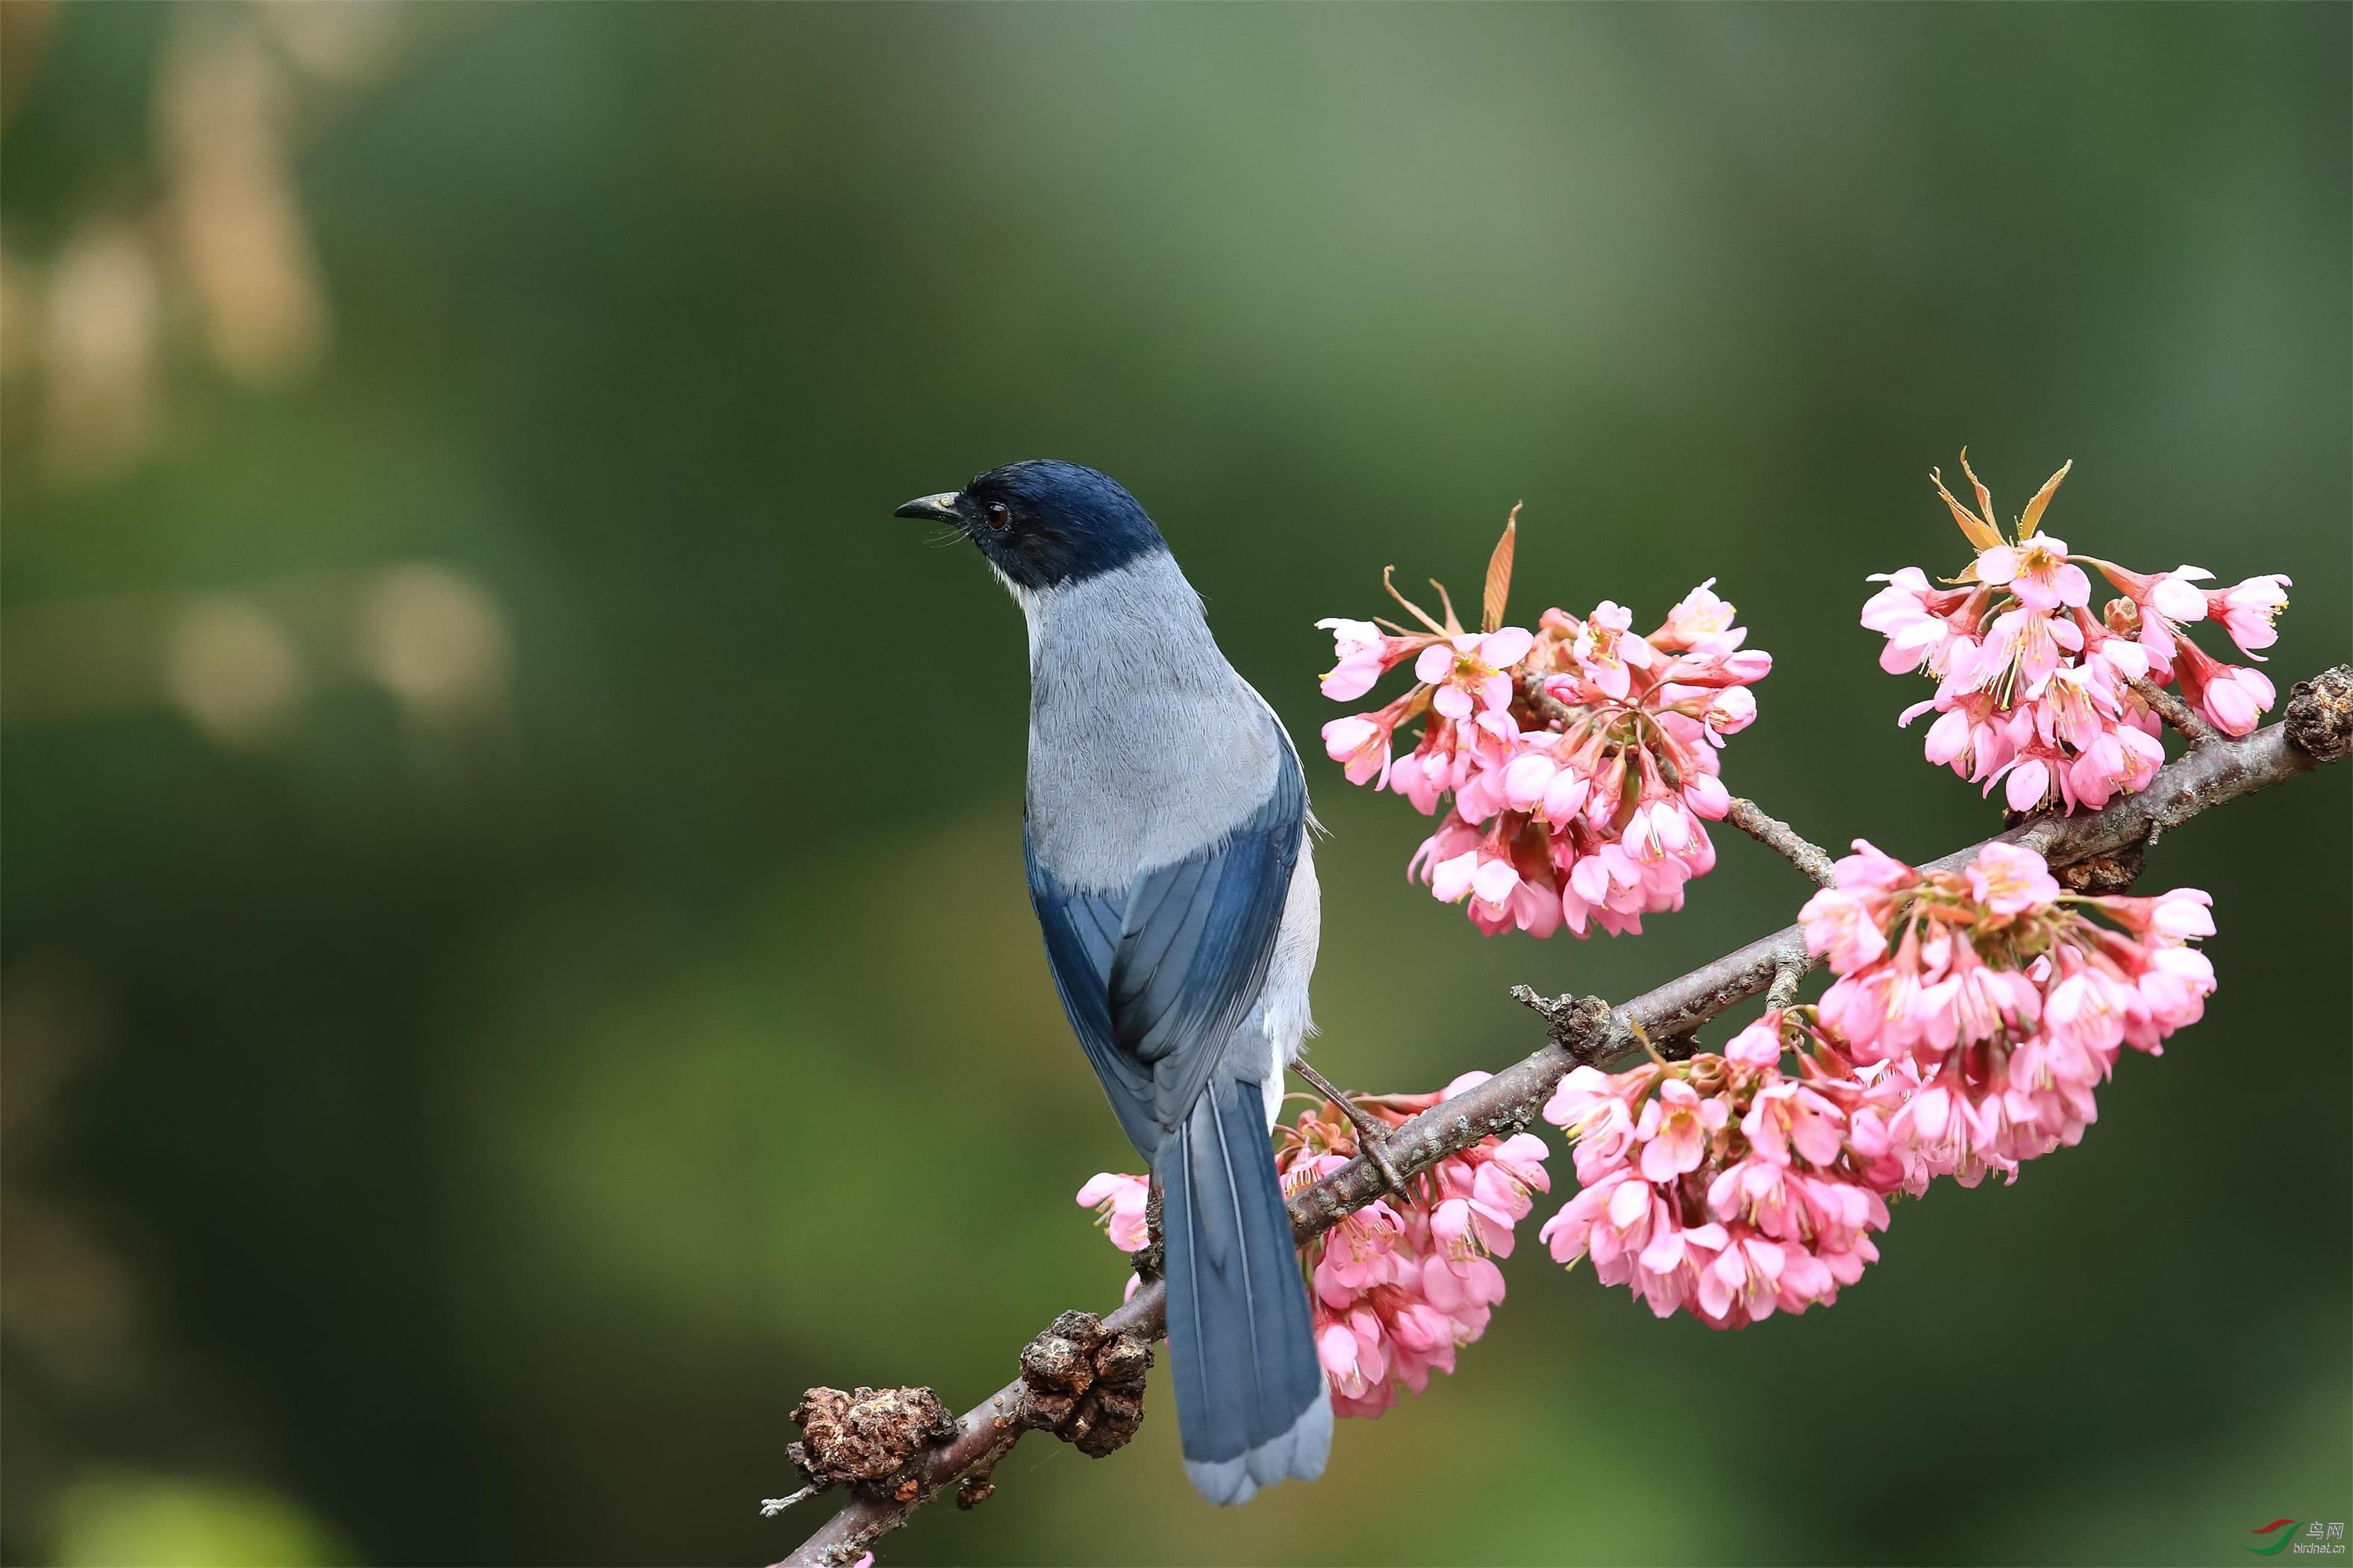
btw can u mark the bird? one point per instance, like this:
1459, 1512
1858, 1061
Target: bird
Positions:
1166, 832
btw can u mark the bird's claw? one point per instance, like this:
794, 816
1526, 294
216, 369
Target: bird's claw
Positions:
1372, 1138
1375, 1147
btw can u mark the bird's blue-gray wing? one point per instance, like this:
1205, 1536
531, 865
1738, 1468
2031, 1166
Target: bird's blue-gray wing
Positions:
1082, 939
1157, 976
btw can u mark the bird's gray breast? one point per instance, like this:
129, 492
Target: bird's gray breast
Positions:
1144, 744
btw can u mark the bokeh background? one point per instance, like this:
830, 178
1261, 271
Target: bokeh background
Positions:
515, 955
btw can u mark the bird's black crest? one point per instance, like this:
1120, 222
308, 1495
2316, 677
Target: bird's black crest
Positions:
1045, 522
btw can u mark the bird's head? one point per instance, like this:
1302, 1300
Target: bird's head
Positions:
1045, 522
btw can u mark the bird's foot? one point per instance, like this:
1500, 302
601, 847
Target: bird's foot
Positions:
1372, 1137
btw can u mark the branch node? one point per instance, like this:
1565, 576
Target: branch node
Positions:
1543, 1007
2110, 873
1783, 993
975, 1488
772, 1506
874, 1440
1588, 1028
2320, 714
1084, 1383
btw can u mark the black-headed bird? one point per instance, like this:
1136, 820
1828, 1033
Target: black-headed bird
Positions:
1165, 825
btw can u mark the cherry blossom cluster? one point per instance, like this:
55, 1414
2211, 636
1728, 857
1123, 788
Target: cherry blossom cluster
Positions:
1398, 1286
1985, 1006
1974, 1014
1571, 766
2035, 691
1723, 1185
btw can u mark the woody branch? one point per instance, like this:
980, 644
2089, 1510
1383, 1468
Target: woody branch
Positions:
2317, 729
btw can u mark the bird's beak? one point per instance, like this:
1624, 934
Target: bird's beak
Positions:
941, 508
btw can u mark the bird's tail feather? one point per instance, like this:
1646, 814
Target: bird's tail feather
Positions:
1252, 1405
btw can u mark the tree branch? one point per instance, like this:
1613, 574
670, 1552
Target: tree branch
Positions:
2318, 727
1776, 835
2173, 711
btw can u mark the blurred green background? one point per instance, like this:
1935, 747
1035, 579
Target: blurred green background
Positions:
515, 954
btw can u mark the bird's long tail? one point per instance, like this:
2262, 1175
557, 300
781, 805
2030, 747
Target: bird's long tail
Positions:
1252, 1405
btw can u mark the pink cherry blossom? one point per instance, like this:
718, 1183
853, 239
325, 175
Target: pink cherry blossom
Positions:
1398, 1286
1974, 1015
1571, 769
1731, 711
1701, 622
2009, 880
2033, 691
2037, 572
1363, 743
1921, 624
1743, 1282
2247, 611
2175, 595
1994, 1004
1120, 1201
1674, 1131
1363, 654
2232, 698
1466, 671
1605, 654
1720, 1186
1789, 1116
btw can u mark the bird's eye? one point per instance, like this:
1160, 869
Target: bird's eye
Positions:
998, 518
